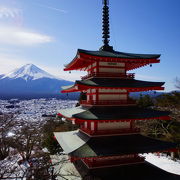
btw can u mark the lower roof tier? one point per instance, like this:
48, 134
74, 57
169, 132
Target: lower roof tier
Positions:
104, 146
112, 113
131, 85
140, 171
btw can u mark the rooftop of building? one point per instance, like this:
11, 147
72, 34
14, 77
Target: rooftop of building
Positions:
112, 113
116, 54
78, 144
113, 83
120, 145
142, 171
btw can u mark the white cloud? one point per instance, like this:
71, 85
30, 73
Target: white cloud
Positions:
146, 77
20, 36
9, 62
7, 12
52, 8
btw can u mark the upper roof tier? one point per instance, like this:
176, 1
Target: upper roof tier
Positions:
84, 58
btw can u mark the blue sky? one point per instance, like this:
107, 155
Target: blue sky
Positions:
48, 33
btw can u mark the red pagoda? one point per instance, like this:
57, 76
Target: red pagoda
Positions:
108, 143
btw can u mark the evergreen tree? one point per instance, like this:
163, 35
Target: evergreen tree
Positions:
145, 101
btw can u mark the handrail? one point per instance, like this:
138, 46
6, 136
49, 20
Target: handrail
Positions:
95, 163
117, 75
108, 102
112, 131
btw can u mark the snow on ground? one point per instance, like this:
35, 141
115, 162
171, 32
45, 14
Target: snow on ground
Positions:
32, 110
64, 167
164, 163
10, 169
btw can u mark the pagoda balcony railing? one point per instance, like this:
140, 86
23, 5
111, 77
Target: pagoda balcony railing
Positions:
109, 75
111, 132
94, 163
108, 102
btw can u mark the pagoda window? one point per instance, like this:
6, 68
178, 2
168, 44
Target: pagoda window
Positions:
85, 125
94, 64
93, 90
92, 126
94, 97
113, 125
88, 97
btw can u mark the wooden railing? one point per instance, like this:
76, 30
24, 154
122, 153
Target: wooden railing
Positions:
94, 163
112, 131
108, 102
109, 75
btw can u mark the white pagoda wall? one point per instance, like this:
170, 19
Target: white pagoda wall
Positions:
111, 67
113, 97
107, 94
112, 64
107, 67
111, 70
113, 90
113, 125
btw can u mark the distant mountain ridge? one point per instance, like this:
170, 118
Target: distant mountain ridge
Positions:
1, 75
31, 81
152, 94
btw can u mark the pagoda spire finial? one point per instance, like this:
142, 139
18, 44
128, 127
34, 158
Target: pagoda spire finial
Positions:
105, 26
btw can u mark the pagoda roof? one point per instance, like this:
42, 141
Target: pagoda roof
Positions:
129, 84
113, 113
121, 145
140, 171
102, 146
117, 54
84, 58
74, 138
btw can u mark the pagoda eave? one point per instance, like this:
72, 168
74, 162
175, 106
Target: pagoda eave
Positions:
81, 114
82, 60
78, 64
80, 87
80, 121
139, 171
66, 117
89, 147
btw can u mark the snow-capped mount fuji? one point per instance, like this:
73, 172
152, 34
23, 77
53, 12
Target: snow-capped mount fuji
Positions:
29, 81
29, 72
1, 75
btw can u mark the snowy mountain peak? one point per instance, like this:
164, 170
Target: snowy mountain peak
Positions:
28, 72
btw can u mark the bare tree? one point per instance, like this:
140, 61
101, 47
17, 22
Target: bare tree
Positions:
8, 160
7, 125
22, 153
